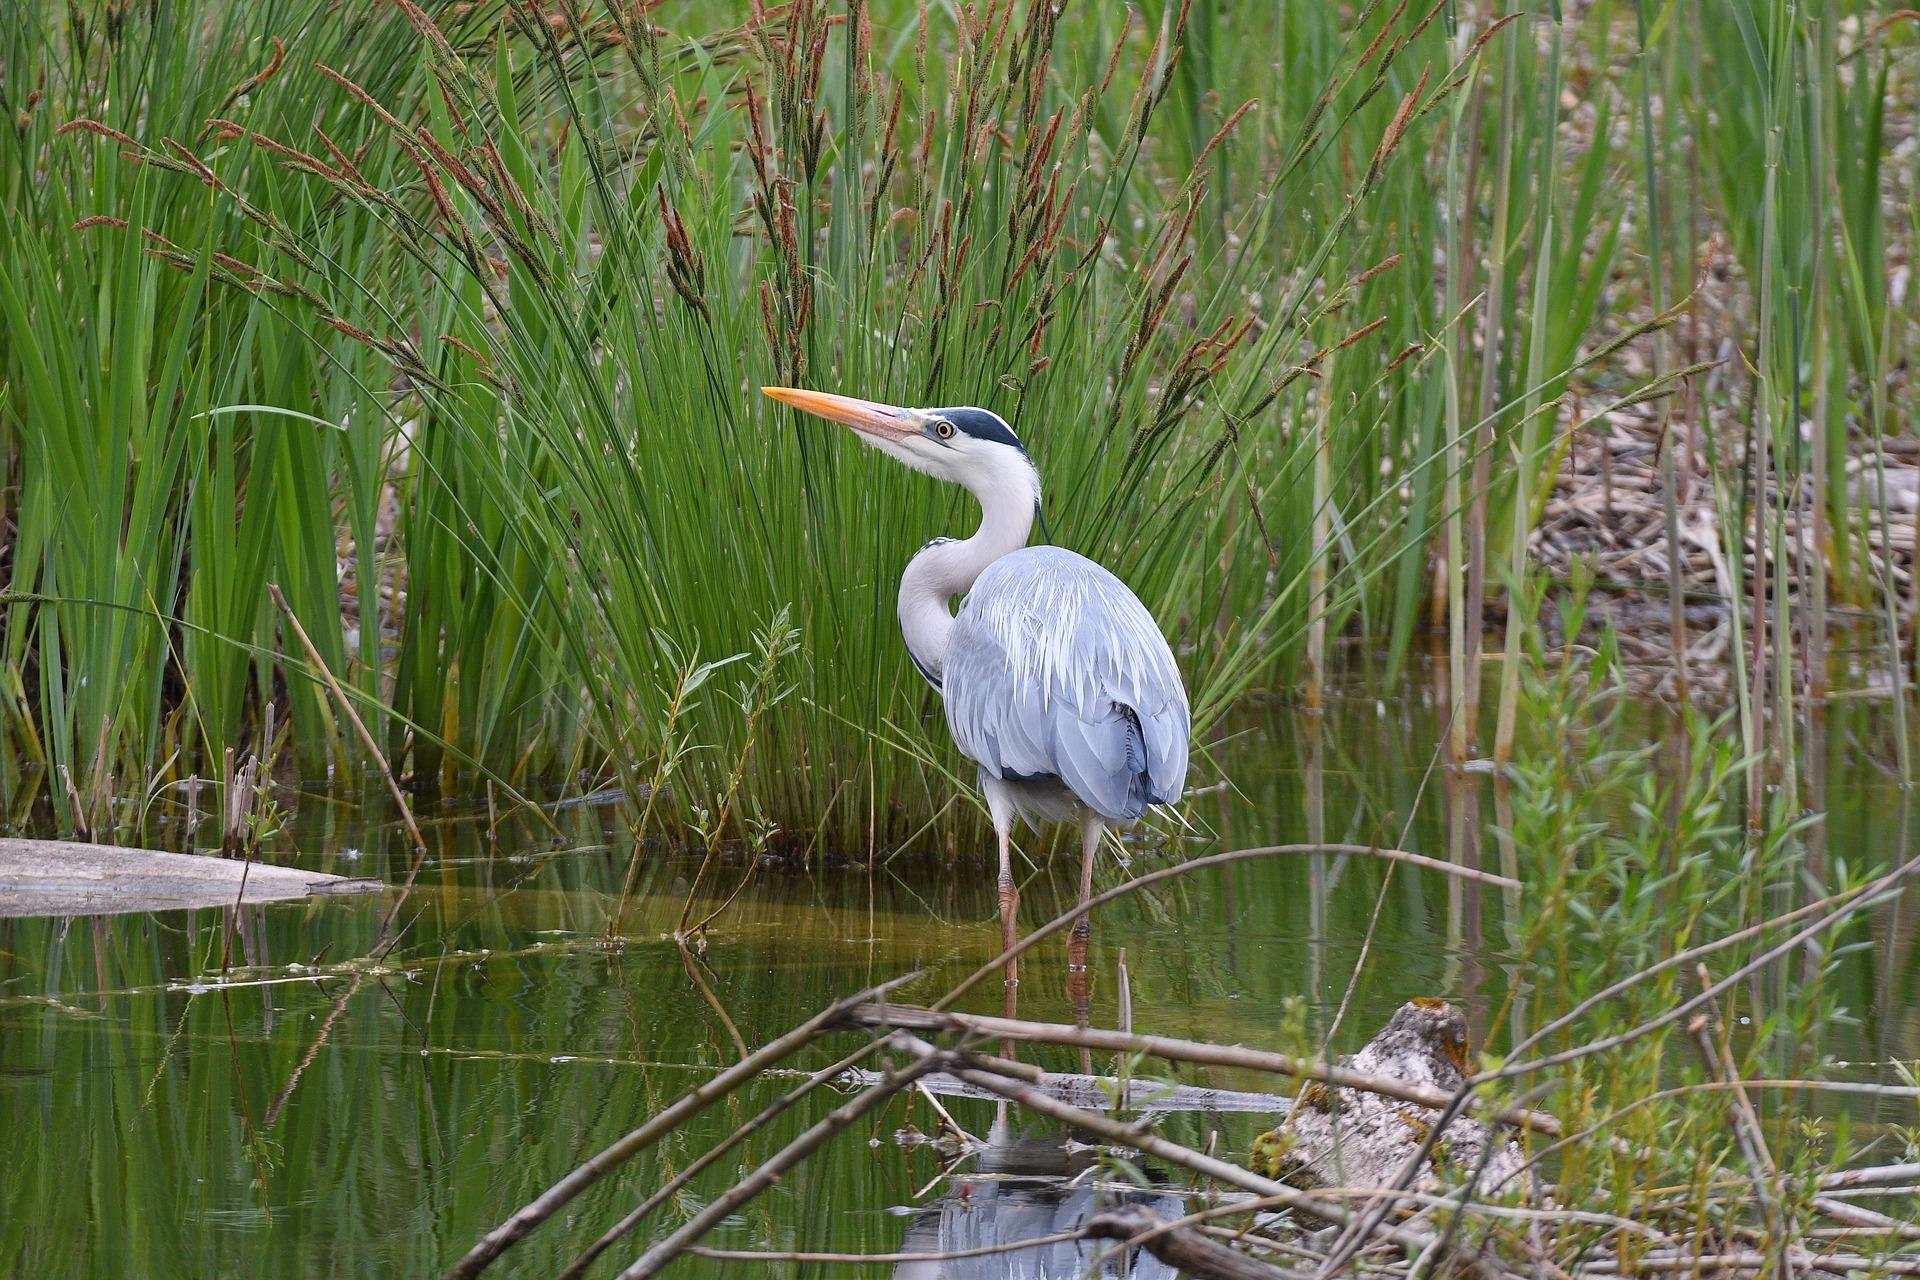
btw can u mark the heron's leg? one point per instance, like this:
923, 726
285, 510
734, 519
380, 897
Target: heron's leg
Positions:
1078, 986
1009, 905
1091, 830
1009, 931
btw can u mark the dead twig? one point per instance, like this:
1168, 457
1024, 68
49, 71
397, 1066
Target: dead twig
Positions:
1761, 1170
1749, 1260
1872, 1176
1181, 1248
692, 965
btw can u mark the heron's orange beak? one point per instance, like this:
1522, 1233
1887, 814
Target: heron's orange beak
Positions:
881, 421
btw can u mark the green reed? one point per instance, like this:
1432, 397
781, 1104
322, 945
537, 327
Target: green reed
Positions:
451, 320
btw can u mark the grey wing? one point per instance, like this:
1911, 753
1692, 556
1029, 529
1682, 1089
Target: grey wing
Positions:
1056, 670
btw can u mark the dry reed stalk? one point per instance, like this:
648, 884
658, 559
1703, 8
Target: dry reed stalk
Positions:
1459, 562
1490, 344
1321, 549
372, 748
1761, 1170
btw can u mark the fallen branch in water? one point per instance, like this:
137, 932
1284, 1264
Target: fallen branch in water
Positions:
768, 1171
1435, 1223
660, 1195
1181, 1248
1134, 1226
689, 1104
1015, 1082
1872, 1176
1111, 1093
867, 1259
916, 1018
1415, 1215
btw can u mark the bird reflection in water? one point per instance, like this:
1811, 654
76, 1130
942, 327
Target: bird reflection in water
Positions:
1027, 1186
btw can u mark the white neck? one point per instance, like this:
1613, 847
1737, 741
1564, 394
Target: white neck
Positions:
1009, 493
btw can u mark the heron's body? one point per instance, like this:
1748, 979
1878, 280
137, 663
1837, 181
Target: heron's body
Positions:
1058, 683
1060, 688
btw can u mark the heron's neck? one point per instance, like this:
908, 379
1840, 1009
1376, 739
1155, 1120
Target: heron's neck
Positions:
945, 569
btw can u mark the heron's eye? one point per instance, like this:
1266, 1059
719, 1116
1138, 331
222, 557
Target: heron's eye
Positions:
944, 430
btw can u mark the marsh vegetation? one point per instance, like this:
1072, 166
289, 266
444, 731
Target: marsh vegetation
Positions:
1505, 411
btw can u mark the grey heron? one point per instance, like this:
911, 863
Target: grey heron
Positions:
1057, 682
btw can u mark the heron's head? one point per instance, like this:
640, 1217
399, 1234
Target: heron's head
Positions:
967, 446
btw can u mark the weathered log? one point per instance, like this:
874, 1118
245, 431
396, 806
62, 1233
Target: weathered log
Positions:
68, 878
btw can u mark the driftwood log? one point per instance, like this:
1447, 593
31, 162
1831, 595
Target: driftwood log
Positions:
69, 878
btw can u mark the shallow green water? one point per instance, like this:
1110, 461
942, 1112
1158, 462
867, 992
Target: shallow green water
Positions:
304, 1118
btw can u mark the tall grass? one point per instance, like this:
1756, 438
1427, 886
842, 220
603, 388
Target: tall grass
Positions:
1799, 144
456, 314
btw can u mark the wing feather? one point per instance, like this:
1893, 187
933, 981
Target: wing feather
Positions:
1055, 669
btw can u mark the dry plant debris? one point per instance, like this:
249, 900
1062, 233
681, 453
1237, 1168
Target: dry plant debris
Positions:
1350, 1137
